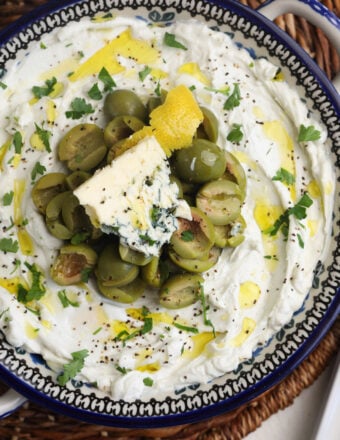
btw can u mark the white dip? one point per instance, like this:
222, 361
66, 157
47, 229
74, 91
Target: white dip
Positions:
254, 288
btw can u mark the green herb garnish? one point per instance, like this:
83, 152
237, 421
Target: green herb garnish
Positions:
7, 198
36, 291
187, 236
73, 367
65, 301
106, 79
148, 382
235, 135
9, 245
39, 92
44, 136
37, 169
284, 176
147, 239
186, 328
3, 85
308, 134
144, 73
170, 40
79, 108
234, 99
95, 93
17, 142
205, 310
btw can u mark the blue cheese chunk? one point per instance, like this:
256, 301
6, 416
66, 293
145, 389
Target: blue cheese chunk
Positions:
134, 198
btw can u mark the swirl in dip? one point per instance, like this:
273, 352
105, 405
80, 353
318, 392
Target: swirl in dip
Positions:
254, 288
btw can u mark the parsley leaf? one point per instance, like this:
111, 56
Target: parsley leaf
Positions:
9, 245
85, 274
298, 211
44, 136
148, 382
186, 328
3, 85
79, 237
236, 134
36, 291
65, 301
284, 176
308, 133
234, 99
147, 239
170, 40
205, 309
95, 93
122, 370
39, 92
79, 108
106, 79
7, 198
187, 236
73, 367
17, 142
37, 169
144, 73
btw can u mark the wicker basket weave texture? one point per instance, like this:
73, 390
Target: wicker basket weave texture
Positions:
32, 422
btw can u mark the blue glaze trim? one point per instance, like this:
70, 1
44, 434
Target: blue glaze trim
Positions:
271, 379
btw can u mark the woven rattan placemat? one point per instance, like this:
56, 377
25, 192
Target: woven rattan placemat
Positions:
33, 422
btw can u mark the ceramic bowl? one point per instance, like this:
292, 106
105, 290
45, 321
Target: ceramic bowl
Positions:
28, 374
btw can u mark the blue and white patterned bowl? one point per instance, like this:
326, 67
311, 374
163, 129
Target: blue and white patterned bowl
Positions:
29, 375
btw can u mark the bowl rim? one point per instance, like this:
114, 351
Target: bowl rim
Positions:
281, 372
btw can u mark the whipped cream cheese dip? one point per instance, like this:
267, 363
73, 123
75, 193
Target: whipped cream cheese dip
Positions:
251, 292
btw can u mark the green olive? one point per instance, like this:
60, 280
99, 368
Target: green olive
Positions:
121, 127
220, 200
235, 172
112, 271
124, 294
193, 238
196, 265
208, 129
54, 221
122, 103
83, 147
73, 264
153, 103
76, 178
201, 162
116, 150
230, 234
181, 290
74, 215
47, 187
174, 179
134, 257
155, 272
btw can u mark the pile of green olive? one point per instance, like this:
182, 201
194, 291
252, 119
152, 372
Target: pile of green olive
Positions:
211, 180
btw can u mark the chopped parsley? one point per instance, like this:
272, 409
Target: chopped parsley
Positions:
95, 93
187, 236
73, 367
144, 73
36, 290
39, 92
9, 245
235, 134
85, 274
234, 99
125, 335
37, 169
106, 79
65, 301
122, 370
205, 310
147, 239
148, 382
308, 133
186, 328
79, 108
170, 40
79, 237
158, 89
284, 176
44, 136
298, 211
3, 85
17, 142
7, 198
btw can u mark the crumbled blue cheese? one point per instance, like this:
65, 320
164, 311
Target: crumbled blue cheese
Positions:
134, 198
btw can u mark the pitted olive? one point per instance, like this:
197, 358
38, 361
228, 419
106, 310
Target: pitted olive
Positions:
181, 290
76, 178
124, 102
220, 200
235, 172
54, 221
155, 272
134, 257
193, 238
202, 162
73, 264
230, 234
112, 271
47, 187
121, 127
196, 265
208, 129
124, 294
83, 147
